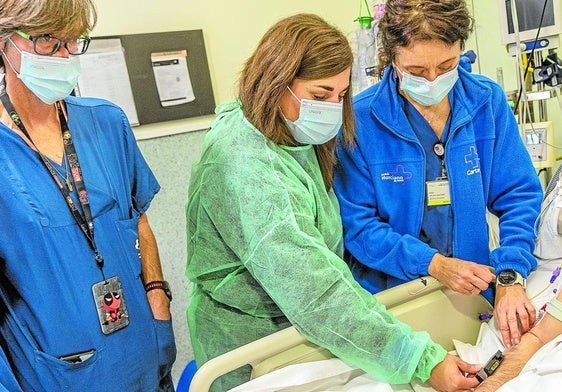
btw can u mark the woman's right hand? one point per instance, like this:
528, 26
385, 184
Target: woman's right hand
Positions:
454, 374
464, 277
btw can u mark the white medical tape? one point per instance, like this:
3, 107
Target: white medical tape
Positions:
555, 309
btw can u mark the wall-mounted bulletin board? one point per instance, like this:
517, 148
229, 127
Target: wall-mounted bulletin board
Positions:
168, 74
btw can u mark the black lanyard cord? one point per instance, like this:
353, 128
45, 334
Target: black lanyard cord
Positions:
86, 222
439, 147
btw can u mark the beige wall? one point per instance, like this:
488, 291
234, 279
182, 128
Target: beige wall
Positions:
232, 29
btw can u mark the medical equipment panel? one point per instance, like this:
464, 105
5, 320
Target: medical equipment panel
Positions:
530, 26
539, 140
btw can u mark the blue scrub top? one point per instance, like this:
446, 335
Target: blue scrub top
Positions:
437, 221
47, 267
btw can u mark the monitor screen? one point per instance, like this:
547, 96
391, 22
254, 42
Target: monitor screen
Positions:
529, 14
529, 20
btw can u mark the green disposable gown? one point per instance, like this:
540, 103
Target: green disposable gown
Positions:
265, 252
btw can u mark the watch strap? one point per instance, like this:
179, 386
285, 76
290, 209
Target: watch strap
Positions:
519, 279
159, 285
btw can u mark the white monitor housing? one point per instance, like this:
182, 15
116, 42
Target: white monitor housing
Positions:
539, 140
528, 22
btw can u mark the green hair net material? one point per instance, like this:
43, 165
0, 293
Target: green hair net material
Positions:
264, 252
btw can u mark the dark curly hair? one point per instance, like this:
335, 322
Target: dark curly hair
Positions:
405, 21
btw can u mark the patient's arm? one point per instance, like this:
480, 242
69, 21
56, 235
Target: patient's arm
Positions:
514, 360
517, 356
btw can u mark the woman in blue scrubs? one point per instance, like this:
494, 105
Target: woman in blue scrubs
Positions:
437, 149
84, 305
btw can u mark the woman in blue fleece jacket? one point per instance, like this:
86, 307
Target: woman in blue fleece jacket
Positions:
438, 147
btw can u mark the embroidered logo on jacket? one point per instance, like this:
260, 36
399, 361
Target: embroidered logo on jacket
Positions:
398, 175
473, 161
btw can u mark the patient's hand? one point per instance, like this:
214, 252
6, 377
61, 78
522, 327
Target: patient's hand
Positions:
464, 277
514, 313
449, 375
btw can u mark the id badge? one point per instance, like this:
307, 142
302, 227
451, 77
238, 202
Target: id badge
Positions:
438, 193
110, 305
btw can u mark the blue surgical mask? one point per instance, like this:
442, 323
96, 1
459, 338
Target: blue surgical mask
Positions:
49, 78
423, 91
318, 121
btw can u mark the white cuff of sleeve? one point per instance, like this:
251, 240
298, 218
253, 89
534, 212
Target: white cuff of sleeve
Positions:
555, 309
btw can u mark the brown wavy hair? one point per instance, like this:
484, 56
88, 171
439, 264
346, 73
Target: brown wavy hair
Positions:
303, 46
405, 21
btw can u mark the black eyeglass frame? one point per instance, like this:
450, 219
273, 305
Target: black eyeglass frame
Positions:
84, 38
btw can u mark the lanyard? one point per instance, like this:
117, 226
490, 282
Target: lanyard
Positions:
439, 148
86, 222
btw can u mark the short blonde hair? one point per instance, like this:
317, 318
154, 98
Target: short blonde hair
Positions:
68, 18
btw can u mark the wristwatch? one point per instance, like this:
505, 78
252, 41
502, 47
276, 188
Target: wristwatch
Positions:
160, 285
510, 277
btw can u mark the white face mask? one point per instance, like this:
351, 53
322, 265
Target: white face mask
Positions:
318, 121
49, 78
423, 91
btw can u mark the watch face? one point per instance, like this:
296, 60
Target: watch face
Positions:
507, 277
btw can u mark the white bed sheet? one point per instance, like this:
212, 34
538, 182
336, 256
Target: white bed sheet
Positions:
327, 375
543, 372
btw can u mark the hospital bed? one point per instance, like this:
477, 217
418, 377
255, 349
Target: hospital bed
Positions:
424, 304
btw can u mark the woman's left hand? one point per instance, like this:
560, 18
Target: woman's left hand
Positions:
159, 304
514, 313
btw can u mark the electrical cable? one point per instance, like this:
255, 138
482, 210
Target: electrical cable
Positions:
530, 56
476, 41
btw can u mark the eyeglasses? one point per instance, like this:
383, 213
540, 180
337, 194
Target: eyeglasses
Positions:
47, 45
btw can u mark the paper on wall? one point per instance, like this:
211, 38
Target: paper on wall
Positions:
172, 77
104, 75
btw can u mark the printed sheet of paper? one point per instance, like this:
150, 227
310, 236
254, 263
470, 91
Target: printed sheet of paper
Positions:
172, 77
104, 75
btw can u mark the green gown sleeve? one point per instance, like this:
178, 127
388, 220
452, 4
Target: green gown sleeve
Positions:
267, 205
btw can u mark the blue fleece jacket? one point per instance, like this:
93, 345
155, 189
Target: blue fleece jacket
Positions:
380, 184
